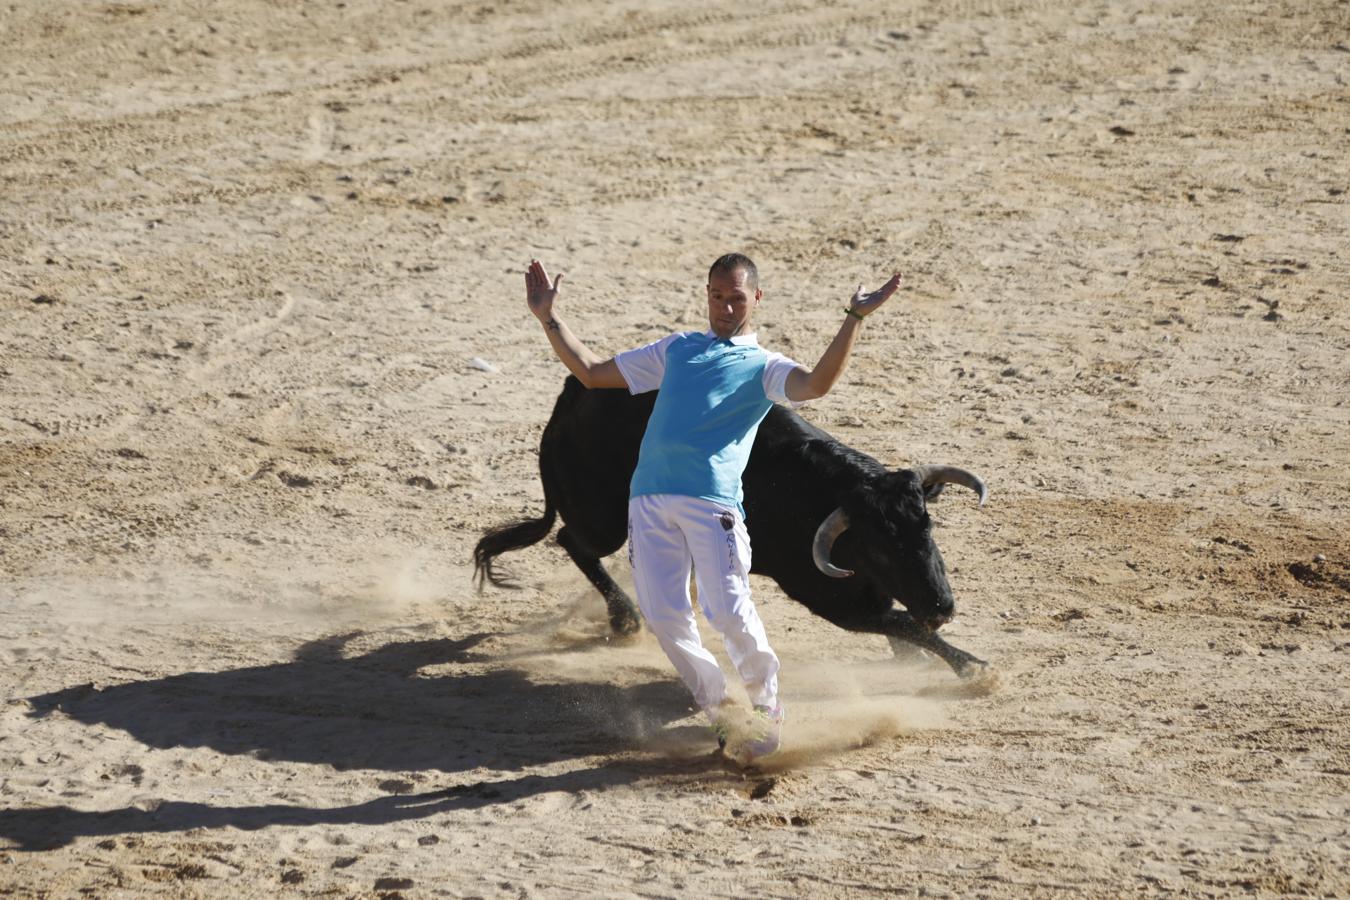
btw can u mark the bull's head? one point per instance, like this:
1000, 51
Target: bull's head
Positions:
893, 537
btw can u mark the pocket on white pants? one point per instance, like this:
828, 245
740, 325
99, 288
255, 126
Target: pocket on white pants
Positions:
736, 541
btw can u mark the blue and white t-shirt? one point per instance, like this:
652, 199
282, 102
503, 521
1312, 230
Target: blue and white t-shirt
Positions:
714, 393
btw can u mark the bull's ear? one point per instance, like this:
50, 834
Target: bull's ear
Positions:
931, 492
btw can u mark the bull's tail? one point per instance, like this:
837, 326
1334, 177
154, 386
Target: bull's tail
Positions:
511, 536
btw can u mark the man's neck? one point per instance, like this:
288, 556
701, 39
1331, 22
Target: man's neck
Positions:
740, 337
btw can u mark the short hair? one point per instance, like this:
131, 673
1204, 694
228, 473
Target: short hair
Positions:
733, 261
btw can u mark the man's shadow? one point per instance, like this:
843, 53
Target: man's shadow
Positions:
378, 710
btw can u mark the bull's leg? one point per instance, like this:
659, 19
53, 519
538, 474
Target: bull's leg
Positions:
904, 633
623, 613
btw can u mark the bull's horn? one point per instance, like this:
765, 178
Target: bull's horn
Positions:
833, 526
931, 475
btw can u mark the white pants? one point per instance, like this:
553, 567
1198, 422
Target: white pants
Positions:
666, 534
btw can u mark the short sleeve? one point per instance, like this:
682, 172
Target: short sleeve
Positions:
776, 371
644, 367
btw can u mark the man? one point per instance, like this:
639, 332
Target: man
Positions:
685, 498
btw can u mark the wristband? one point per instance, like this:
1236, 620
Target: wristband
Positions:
854, 313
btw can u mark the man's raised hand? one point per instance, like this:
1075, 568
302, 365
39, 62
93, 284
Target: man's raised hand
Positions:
539, 291
864, 304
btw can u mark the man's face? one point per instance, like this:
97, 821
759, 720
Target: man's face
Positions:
731, 302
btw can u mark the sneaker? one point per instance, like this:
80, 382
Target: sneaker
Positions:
766, 731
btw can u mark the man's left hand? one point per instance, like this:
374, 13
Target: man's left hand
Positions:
864, 304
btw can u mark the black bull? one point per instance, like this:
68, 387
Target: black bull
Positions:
812, 504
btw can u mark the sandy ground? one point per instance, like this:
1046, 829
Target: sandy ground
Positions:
266, 374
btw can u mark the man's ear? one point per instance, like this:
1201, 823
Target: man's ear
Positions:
759, 295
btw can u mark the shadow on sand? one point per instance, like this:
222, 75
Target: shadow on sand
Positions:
379, 710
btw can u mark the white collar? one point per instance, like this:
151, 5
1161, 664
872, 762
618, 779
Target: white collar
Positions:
738, 339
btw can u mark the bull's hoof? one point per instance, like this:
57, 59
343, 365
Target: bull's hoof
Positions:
625, 625
978, 679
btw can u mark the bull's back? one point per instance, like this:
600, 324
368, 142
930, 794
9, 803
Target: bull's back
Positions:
587, 457
589, 452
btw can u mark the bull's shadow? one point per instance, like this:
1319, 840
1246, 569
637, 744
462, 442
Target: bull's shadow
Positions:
379, 710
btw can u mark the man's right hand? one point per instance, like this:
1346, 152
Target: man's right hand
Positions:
590, 369
539, 291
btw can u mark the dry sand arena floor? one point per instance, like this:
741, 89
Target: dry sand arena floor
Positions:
266, 373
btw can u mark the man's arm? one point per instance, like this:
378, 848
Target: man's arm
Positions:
589, 368
808, 385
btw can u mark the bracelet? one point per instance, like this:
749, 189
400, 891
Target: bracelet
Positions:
854, 313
